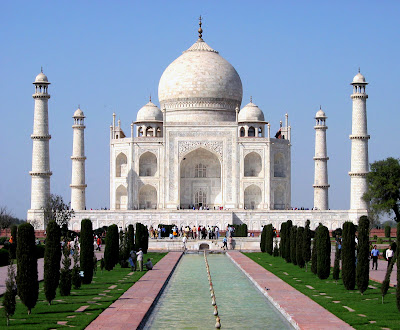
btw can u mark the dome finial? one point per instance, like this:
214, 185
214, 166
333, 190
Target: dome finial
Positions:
200, 29
251, 99
320, 108
41, 69
79, 106
150, 97
358, 69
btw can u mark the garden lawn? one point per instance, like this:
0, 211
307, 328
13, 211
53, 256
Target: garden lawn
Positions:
98, 295
364, 311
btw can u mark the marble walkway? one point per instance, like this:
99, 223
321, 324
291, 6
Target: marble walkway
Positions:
304, 312
129, 310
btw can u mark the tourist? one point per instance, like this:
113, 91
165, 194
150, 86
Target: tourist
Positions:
225, 243
149, 264
184, 240
140, 259
216, 230
375, 255
132, 260
389, 255
98, 244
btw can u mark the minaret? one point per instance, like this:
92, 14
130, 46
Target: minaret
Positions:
40, 174
321, 163
359, 144
78, 185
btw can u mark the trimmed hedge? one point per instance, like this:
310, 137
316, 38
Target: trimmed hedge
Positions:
263, 238
87, 251
293, 244
348, 256
307, 243
52, 260
111, 252
324, 253
362, 269
300, 247
4, 257
141, 237
282, 244
289, 225
269, 239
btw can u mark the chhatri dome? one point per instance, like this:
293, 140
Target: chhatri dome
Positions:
359, 78
41, 77
251, 113
200, 85
149, 112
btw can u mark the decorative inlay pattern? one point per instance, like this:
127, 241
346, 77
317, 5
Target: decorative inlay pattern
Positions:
186, 146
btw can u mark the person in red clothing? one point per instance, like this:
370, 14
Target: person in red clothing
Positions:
98, 243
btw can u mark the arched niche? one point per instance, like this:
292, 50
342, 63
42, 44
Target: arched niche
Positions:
279, 165
147, 197
252, 131
252, 165
121, 165
148, 164
279, 198
121, 198
200, 179
242, 132
252, 197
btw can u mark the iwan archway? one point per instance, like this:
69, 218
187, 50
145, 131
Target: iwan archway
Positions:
200, 180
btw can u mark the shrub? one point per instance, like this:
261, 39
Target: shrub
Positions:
263, 238
348, 256
4, 257
76, 279
362, 269
336, 265
112, 247
289, 225
3, 240
375, 237
379, 240
9, 302
40, 249
299, 247
324, 253
269, 239
65, 275
87, 250
293, 236
52, 258
283, 238
307, 243
387, 231
27, 273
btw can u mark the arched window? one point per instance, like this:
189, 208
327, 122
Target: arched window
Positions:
121, 198
260, 132
148, 164
158, 132
200, 198
252, 197
242, 132
279, 166
149, 131
141, 131
200, 171
252, 131
252, 164
121, 165
147, 197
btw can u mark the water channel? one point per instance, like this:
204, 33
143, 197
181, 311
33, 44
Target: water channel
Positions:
186, 302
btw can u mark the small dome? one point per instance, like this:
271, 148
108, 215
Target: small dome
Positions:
251, 113
41, 77
78, 114
320, 114
359, 78
149, 112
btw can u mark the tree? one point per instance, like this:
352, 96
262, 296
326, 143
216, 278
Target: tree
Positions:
348, 256
87, 250
123, 249
362, 269
5, 218
384, 187
398, 267
314, 255
141, 237
131, 238
263, 238
9, 301
299, 247
307, 243
293, 245
111, 251
276, 249
58, 211
336, 265
324, 253
52, 258
65, 275
76, 279
269, 239
282, 243
289, 225
386, 282
387, 231
27, 273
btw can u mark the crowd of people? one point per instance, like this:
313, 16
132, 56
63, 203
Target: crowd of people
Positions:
194, 232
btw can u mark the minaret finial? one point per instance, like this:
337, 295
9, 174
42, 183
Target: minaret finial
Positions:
251, 99
200, 29
320, 108
41, 69
79, 106
358, 69
150, 97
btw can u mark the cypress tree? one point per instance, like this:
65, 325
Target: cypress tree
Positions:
324, 253
293, 245
336, 265
314, 254
142, 237
13, 245
362, 269
9, 301
307, 243
398, 267
269, 241
289, 225
87, 250
387, 231
300, 247
263, 238
52, 258
276, 249
282, 242
76, 278
65, 275
348, 256
131, 238
27, 273
386, 281
111, 251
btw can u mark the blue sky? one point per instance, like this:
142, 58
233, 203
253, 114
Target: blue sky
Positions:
108, 56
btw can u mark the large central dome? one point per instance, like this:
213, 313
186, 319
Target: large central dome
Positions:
200, 85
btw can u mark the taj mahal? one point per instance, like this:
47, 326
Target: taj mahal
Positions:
200, 157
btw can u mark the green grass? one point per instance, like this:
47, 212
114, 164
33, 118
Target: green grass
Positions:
45, 317
370, 304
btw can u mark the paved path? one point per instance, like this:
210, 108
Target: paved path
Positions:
377, 275
3, 271
303, 312
131, 308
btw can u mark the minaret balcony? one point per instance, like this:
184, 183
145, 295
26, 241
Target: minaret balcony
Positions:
40, 137
321, 158
41, 96
44, 173
360, 174
359, 137
359, 96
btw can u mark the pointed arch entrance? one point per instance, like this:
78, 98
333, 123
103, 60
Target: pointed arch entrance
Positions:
200, 180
